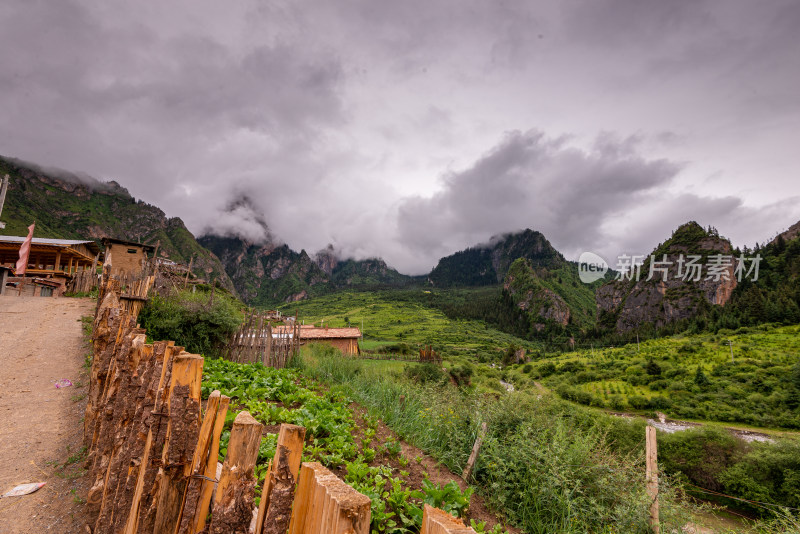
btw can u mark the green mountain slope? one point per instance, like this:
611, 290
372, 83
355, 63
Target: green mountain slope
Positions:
488, 265
67, 206
553, 299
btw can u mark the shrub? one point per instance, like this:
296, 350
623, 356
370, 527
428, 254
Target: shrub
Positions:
462, 374
700, 378
425, 373
652, 368
546, 369
192, 321
638, 402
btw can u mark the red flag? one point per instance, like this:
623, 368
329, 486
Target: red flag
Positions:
24, 252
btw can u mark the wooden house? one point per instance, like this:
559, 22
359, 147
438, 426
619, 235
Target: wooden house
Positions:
344, 339
51, 263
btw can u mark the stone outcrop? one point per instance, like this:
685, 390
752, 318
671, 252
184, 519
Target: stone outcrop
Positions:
670, 297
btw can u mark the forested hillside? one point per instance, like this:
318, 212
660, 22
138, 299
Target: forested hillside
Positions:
68, 206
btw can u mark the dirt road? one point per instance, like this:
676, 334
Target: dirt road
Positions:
41, 342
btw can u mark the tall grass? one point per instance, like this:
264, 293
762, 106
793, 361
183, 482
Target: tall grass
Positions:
546, 465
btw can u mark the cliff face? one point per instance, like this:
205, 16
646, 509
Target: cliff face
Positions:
788, 235
674, 292
69, 206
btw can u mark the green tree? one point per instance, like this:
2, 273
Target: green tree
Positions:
700, 378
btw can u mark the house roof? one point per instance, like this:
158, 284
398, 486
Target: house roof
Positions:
115, 241
329, 333
91, 245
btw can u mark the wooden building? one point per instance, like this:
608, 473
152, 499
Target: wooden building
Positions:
344, 339
127, 258
51, 263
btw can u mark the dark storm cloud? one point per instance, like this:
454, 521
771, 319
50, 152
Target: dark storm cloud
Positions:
532, 181
334, 120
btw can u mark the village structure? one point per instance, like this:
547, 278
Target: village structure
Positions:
126, 258
52, 264
344, 339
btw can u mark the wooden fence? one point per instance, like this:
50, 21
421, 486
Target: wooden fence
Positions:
83, 281
153, 451
264, 337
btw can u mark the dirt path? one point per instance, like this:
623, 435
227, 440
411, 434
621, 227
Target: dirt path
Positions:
41, 342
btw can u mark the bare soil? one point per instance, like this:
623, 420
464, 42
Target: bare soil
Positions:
41, 429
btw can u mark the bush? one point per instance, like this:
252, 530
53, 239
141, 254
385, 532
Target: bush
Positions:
191, 321
425, 373
637, 402
462, 374
700, 456
546, 369
659, 385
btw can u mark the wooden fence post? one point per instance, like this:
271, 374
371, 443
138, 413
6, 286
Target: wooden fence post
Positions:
233, 501
327, 505
182, 431
143, 508
474, 455
652, 476
279, 484
204, 503
435, 521
191, 496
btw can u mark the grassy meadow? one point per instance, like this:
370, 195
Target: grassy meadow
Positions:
685, 376
552, 466
688, 376
408, 316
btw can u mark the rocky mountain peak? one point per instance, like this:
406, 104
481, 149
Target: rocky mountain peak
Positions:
665, 288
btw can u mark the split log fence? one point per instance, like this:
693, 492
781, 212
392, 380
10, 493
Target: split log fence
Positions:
266, 337
84, 281
427, 354
153, 452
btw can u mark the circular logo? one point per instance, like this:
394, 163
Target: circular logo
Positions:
591, 267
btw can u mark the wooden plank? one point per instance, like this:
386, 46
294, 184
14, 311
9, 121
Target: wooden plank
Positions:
275, 511
210, 473
159, 422
161, 352
183, 406
435, 521
475, 450
652, 476
198, 466
137, 440
110, 413
121, 424
302, 501
326, 505
233, 501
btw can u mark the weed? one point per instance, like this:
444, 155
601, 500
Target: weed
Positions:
77, 498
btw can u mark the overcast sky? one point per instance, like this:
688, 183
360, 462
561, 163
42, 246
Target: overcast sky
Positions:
411, 129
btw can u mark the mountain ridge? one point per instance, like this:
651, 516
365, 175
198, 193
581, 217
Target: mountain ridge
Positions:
85, 208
